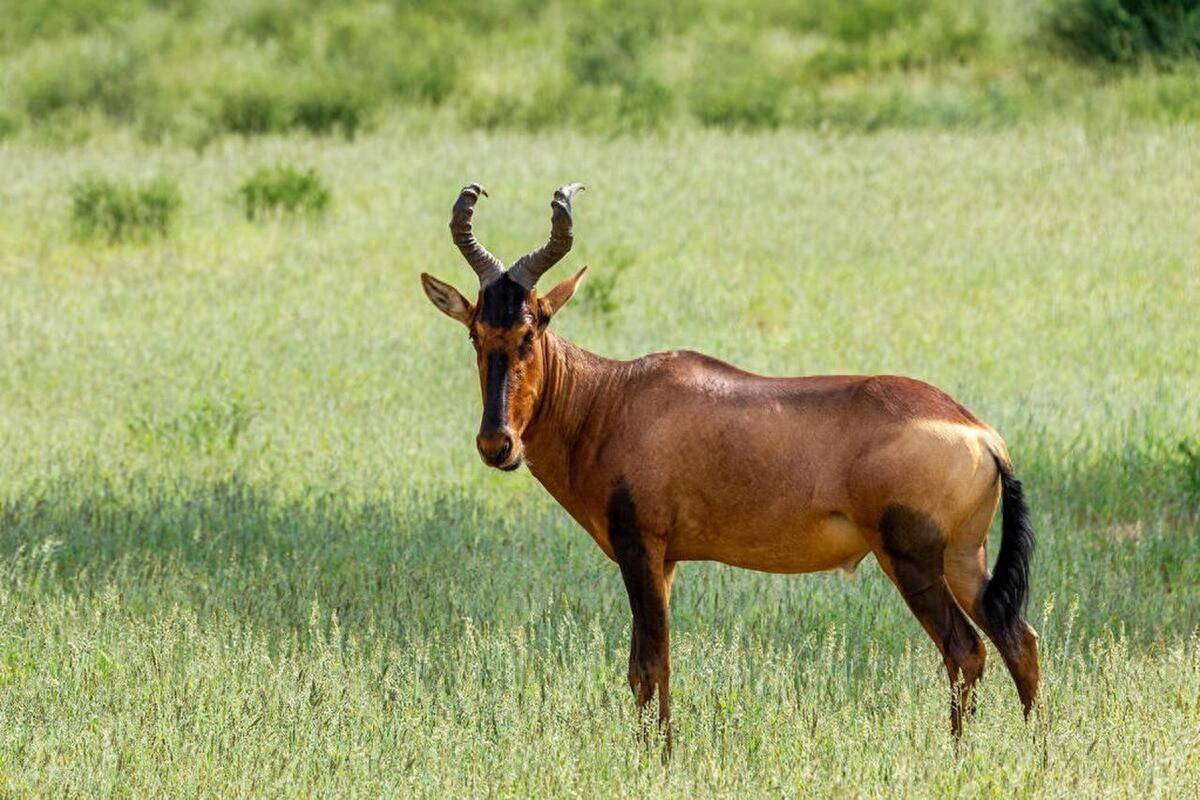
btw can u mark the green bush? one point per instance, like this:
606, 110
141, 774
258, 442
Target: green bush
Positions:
9, 124
738, 93
1163, 98
413, 57
1189, 467
1125, 31
88, 74
101, 208
607, 50
251, 110
645, 105
266, 21
862, 20
29, 21
868, 111
320, 106
283, 189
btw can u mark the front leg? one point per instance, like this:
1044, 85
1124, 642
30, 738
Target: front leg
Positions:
635, 680
647, 580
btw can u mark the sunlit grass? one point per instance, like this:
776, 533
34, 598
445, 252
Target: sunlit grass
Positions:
249, 548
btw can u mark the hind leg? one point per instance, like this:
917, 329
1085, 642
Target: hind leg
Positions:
911, 553
967, 575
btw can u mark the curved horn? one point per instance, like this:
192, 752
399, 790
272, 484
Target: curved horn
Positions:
486, 265
530, 267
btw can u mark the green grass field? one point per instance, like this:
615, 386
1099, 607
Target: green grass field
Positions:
248, 547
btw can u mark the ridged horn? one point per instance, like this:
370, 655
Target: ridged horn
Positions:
486, 266
529, 268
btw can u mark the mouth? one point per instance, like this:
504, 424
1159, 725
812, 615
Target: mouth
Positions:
512, 465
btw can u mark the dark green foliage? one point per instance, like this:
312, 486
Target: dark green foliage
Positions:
266, 21
606, 45
101, 208
320, 106
645, 105
745, 100
283, 189
8, 124
99, 75
1125, 31
251, 110
28, 21
326, 107
1189, 465
416, 59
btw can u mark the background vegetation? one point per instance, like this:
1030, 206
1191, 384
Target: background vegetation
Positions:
247, 548
194, 69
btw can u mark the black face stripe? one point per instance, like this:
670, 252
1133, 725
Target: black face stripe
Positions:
503, 303
495, 395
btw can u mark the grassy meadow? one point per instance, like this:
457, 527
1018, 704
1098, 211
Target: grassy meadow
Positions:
248, 548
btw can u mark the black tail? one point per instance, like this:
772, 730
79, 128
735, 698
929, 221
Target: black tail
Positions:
1007, 594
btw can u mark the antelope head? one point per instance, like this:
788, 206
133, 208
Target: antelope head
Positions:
506, 322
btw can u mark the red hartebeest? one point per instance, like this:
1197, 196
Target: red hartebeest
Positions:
680, 457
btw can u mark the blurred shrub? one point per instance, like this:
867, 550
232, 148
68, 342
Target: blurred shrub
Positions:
265, 21
415, 57
251, 109
9, 124
644, 105
323, 106
605, 44
116, 212
30, 21
1189, 466
855, 35
735, 87
737, 98
1125, 31
320, 106
1169, 98
84, 74
867, 111
283, 189
859, 20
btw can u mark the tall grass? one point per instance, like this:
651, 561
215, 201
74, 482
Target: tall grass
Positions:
249, 548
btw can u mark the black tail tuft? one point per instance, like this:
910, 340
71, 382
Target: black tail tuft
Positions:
1007, 594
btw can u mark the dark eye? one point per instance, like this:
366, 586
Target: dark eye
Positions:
526, 343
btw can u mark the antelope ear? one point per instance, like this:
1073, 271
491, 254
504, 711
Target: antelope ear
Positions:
447, 299
557, 297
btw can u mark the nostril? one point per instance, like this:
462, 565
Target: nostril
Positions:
496, 448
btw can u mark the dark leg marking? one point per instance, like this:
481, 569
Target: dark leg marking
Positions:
649, 660
915, 546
